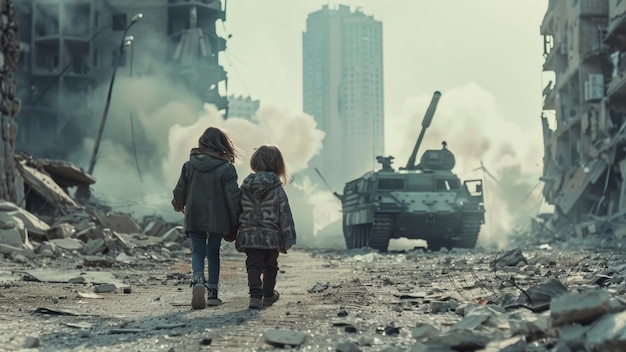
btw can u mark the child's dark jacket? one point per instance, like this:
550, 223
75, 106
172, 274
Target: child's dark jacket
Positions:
266, 221
208, 190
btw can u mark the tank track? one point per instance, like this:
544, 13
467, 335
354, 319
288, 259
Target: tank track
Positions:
382, 229
469, 231
356, 236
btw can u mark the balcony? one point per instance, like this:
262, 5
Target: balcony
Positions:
548, 65
593, 51
617, 88
593, 8
211, 4
549, 102
616, 33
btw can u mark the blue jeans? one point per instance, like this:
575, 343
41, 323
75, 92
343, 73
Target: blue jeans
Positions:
206, 245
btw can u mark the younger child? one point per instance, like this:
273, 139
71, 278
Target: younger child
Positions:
266, 224
208, 195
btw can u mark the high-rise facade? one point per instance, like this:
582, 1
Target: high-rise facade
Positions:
70, 47
343, 89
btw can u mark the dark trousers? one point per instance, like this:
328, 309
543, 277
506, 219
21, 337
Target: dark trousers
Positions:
265, 262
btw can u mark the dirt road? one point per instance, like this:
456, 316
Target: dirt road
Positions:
372, 300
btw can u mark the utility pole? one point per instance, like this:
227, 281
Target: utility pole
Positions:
83, 192
125, 42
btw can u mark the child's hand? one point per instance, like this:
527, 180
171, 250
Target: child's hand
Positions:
183, 210
286, 248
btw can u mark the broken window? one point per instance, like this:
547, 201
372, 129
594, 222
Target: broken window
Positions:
118, 21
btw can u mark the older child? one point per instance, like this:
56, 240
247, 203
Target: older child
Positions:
208, 194
266, 224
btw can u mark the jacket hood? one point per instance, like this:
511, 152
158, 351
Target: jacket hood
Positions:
260, 183
204, 162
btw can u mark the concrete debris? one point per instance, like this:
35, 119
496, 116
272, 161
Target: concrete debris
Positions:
69, 276
90, 295
54, 197
284, 338
584, 307
104, 288
347, 346
124, 223
319, 287
511, 258
32, 342
424, 330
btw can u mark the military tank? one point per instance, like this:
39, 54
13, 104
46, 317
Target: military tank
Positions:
424, 201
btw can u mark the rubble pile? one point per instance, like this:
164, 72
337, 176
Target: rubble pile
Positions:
594, 232
52, 225
547, 301
95, 236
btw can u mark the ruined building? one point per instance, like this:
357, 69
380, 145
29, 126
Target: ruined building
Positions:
584, 118
70, 47
343, 89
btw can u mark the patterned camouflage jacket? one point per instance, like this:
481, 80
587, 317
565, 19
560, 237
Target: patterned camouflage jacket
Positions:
266, 221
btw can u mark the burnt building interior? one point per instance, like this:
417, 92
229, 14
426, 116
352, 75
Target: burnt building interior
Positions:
584, 109
70, 47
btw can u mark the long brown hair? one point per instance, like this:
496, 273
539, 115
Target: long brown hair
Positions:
215, 139
269, 158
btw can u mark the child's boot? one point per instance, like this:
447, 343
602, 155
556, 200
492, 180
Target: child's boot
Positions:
255, 303
268, 301
212, 299
197, 295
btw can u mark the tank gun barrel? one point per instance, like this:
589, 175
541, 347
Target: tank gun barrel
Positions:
428, 117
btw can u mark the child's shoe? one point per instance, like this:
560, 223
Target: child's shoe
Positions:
268, 301
212, 299
255, 303
197, 295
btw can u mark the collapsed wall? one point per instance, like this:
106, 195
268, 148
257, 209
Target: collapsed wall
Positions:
9, 105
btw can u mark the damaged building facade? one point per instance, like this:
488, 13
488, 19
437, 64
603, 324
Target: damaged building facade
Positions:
9, 105
71, 47
584, 110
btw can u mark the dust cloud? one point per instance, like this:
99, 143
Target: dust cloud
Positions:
169, 141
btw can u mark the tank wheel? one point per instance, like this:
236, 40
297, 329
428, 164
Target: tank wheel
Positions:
381, 231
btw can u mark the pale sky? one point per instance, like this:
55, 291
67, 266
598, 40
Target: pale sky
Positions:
427, 46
